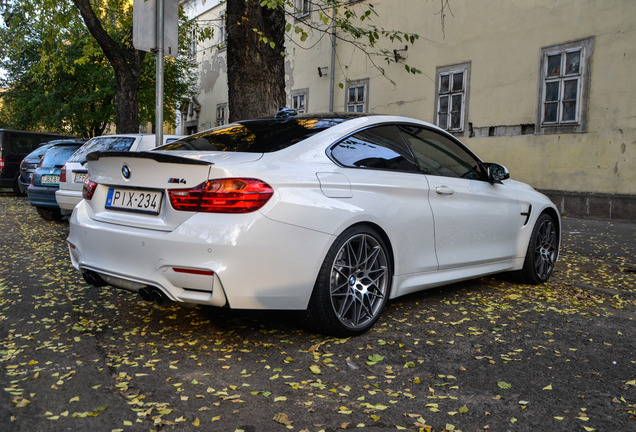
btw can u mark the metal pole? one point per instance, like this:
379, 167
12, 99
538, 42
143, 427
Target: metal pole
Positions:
159, 75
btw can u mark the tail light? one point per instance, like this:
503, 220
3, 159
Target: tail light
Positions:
89, 189
232, 195
63, 174
1, 164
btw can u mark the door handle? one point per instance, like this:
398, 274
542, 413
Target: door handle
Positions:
444, 190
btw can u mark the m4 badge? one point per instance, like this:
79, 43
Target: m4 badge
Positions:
176, 180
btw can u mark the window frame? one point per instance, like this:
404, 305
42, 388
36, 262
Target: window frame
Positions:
302, 9
222, 41
450, 70
221, 120
579, 123
304, 93
363, 83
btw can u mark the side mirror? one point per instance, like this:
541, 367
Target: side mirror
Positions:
497, 173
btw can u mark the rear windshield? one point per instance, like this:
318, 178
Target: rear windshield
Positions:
102, 144
255, 136
57, 156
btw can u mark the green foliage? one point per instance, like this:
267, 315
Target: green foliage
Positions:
58, 77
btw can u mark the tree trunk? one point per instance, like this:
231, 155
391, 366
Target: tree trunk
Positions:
256, 70
126, 63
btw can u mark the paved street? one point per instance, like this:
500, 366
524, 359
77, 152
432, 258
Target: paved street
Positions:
482, 355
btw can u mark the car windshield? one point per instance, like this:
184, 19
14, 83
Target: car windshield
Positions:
102, 144
57, 156
256, 136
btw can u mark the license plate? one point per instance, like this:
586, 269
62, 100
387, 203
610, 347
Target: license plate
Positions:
140, 201
79, 177
50, 179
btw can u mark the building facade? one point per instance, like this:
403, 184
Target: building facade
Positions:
543, 87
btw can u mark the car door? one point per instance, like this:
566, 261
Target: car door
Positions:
385, 179
476, 221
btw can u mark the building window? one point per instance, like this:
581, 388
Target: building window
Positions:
222, 29
564, 87
358, 96
303, 8
220, 114
193, 43
299, 100
451, 98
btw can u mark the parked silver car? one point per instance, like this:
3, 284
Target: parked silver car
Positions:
74, 172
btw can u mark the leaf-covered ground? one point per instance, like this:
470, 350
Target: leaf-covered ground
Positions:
483, 355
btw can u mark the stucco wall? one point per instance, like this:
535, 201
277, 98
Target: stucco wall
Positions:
502, 41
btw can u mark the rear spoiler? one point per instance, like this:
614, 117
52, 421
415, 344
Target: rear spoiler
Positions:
157, 156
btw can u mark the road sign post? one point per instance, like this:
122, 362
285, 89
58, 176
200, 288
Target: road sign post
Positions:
155, 29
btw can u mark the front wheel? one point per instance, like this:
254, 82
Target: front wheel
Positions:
353, 285
542, 252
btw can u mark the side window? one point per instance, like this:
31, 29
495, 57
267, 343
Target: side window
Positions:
377, 148
439, 155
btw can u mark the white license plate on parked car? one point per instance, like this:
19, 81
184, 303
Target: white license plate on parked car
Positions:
50, 179
79, 177
141, 201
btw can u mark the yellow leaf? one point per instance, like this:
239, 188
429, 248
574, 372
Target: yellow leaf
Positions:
23, 403
548, 387
196, 422
315, 369
74, 399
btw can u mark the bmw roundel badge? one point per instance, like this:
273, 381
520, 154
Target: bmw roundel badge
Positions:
125, 171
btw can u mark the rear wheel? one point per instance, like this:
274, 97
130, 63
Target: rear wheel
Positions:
50, 214
353, 285
542, 252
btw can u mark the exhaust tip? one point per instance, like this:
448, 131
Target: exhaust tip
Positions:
93, 279
144, 293
153, 295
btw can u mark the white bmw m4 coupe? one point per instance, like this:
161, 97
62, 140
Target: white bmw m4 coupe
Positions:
330, 215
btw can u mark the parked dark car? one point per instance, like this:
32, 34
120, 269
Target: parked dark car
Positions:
45, 179
32, 161
14, 146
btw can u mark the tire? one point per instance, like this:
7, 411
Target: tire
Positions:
542, 252
353, 285
16, 187
49, 214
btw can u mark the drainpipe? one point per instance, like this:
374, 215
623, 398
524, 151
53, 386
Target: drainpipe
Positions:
332, 70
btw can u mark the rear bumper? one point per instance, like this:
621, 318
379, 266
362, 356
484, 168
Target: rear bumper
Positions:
23, 184
67, 200
241, 261
42, 196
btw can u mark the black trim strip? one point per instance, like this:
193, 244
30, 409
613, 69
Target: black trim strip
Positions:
156, 156
527, 214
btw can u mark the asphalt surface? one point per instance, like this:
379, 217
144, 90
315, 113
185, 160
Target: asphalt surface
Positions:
483, 355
